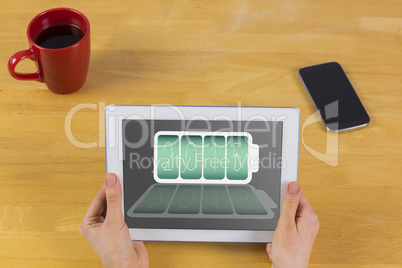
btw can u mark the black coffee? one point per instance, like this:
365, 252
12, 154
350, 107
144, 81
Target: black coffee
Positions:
59, 36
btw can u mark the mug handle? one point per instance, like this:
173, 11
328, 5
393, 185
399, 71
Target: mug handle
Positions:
16, 58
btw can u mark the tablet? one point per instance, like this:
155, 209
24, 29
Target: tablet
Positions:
193, 173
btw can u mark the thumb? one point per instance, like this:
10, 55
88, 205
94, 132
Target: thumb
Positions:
290, 203
113, 199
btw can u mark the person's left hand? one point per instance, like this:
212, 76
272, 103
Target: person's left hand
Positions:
104, 228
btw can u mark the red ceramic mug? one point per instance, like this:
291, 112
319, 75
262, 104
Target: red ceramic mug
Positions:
64, 70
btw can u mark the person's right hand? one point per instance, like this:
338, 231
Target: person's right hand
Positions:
296, 231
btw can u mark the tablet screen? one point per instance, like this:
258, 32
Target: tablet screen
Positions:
219, 175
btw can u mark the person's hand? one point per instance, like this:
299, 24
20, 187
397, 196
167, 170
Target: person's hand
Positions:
104, 228
296, 231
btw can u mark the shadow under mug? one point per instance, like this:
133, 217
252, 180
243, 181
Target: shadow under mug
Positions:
64, 70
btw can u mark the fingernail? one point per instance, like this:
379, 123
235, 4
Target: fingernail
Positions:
294, 187
110, 180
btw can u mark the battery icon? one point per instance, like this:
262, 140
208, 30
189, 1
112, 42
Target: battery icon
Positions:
204, 157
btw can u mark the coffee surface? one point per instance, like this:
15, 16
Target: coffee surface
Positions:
59, 36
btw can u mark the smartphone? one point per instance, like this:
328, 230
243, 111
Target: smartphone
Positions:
334, 96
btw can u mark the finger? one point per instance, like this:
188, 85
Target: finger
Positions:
305, 212
98, 205
142, 254
94, 213
269, 251
113, 199
290, 204
304, 204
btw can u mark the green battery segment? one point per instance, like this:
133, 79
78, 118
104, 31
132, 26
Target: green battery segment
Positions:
214, 152
237, 152
191, 152
202, 157
168, 167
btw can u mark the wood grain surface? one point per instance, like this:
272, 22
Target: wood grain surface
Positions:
221, 52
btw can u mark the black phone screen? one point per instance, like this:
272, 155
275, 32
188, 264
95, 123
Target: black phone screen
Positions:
334, 97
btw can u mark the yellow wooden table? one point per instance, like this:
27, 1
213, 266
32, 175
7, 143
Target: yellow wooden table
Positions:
205, 53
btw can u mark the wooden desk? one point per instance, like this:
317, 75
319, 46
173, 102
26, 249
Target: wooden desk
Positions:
205, 53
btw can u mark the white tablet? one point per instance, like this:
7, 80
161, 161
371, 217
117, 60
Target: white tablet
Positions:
202, 173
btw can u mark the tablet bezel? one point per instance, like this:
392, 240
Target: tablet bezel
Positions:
114, 115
